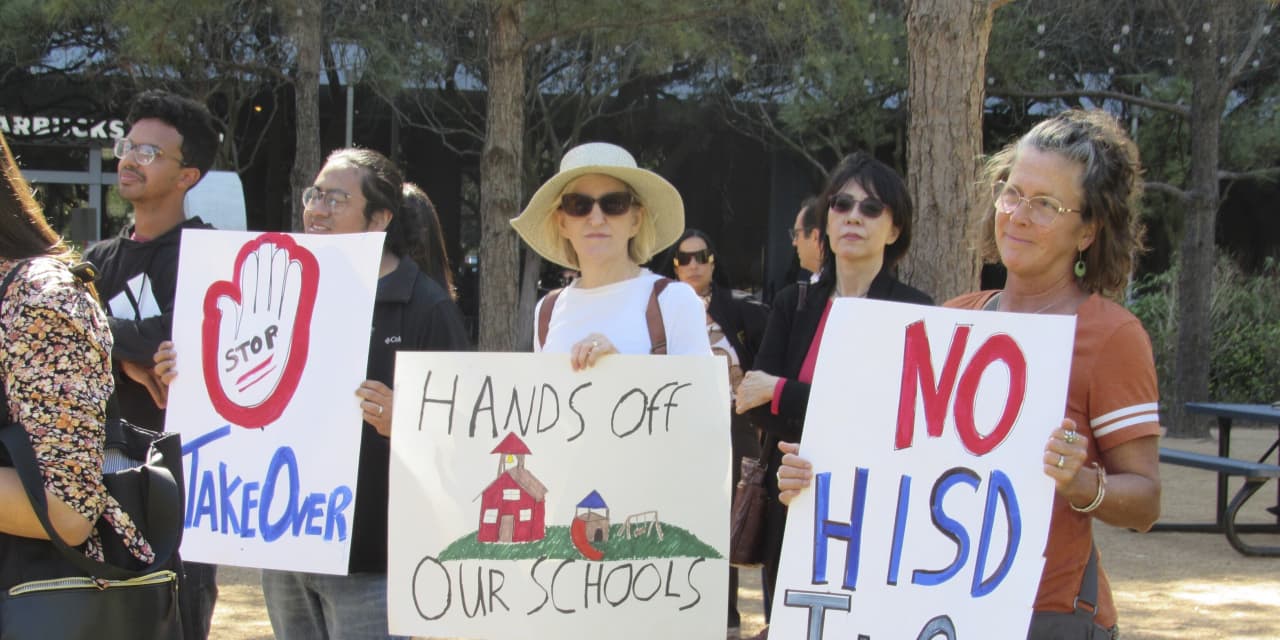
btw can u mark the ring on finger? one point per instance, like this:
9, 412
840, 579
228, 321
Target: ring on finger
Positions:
380, 415
1061, 461
1070, 437
595, 344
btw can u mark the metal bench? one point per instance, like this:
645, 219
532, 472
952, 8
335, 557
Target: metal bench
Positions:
1255, 475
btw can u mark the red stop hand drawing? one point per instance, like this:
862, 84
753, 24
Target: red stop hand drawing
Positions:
256, 330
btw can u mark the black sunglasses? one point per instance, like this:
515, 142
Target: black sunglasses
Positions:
703, 256
843, 203
612, 204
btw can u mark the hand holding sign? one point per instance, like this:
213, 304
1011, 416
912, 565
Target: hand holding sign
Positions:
256, 330
1064, 456
794, 474
375, 405
166, 359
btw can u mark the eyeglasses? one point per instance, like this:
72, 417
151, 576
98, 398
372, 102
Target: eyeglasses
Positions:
843, 203
704, 256
797, 232
143, 154
611, 204
333, 201
1042, 210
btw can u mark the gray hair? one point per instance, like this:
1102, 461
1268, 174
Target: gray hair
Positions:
1112, 187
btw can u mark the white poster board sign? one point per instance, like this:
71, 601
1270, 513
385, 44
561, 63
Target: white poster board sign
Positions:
929, 510
531, 501
272, 336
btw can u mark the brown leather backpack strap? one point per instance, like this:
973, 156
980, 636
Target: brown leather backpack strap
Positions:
544, 316
653, 318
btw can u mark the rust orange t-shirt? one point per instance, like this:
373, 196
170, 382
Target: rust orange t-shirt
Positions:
1112, 397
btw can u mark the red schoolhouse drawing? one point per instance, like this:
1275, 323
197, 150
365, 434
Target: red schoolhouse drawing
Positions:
513, 506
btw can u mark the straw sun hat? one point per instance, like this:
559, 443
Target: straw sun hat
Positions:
664, 219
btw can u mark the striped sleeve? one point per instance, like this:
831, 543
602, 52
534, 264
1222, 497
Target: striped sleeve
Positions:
1125, 417
1124, 395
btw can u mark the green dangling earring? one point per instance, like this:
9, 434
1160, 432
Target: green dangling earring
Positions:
1080, 266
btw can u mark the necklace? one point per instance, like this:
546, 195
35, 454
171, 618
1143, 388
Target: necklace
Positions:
995, 305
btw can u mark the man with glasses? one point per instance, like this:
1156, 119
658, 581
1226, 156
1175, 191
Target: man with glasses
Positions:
806, 238
169, 148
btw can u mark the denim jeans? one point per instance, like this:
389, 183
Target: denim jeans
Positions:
313, 606
197, 594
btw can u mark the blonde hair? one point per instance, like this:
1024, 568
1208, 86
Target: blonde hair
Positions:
639, 248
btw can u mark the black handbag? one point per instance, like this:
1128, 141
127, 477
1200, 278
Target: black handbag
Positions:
1078, 624
55, 591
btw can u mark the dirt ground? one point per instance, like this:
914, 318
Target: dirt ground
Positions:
1168, 585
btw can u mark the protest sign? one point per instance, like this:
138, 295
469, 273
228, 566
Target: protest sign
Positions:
929, 508
272, 336
531, 501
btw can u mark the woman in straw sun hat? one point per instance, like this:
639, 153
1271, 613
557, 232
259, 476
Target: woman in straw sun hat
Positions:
604, 216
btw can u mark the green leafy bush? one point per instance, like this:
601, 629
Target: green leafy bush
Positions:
1245, 316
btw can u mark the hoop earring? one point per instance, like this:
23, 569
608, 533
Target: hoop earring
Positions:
1080, 267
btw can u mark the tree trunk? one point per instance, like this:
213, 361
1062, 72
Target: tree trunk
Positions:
1198, 249
305, 31
528, 300
947, 57
500, 182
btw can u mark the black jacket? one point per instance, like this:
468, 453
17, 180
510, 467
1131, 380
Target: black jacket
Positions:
797, 310
792, 325
411, 312
743, 320
155, 264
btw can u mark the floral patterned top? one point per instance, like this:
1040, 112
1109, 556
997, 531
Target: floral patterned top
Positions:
56, 362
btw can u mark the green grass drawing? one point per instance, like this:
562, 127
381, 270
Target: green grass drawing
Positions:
675, 543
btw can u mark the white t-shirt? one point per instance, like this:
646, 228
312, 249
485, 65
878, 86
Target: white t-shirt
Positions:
617, 311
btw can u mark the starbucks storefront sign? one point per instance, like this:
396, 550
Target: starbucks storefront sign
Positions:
78, 128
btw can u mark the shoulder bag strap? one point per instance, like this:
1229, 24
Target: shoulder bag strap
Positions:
164, 494
653, 318
1089, 585
544, 316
